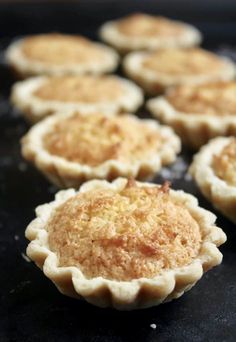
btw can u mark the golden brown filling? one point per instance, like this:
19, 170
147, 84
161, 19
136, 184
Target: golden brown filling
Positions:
224, 164
184, 62
94, 139
60, 49
143, 25
214, 99
80, 89
134, 233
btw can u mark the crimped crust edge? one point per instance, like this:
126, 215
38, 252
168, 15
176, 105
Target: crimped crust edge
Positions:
66, 174
34, 108
194, 129
138, 293
216, 190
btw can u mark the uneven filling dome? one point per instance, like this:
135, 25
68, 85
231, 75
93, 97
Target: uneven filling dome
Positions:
134, 233
80, 89
213, 99
183, 62
142, 25
224, 163
60, 49
94, 139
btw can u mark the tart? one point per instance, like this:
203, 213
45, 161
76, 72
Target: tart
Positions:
59, 54
124, 244
146, 32
155, 71
40, 96
198, 113
214, 171
70, 148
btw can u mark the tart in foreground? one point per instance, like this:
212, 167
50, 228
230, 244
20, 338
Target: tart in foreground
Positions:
214, 171
125, 244
59, 54
40, 96
70, 148
155, 71
198, 113
141, 31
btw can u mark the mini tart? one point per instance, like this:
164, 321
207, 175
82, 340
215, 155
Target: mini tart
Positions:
124, 244
41, 96
146, 32
70, 148
59, 54
214, 170
157, 70
198, 113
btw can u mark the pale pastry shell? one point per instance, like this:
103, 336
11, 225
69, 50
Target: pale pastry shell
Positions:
124, 295
156, 83
25, 67
111, 35
66, 174
194, 129
35, 108
221, 194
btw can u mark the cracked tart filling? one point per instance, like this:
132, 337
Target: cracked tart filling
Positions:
123, 235
94, 139
214, 99
59, 49
142, 25
224, 163
185, 62
80, 89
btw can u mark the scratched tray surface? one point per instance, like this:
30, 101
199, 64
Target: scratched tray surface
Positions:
32, 309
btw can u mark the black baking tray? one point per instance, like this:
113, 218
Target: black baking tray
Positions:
31, 309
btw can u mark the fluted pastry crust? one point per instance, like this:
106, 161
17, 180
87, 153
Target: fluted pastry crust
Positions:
145, 32
26, 66
136, 293
69, 173
217, 190
25, 98
195, 128
158, 70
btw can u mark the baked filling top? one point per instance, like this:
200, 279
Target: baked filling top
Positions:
143, 25
184, 62
214, 99
137, 232
224, 163
59, 49
90, 89
94, 139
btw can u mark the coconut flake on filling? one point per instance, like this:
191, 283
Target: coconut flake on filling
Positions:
214, 99
224, 163
80, 89
134, 233
78, 139
183, 62
148, 26
60, 49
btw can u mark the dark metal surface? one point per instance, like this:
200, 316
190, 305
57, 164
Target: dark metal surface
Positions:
31, 309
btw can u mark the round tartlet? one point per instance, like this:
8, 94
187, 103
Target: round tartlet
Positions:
124, 244
198, 113
70, 148
59, 54
214, 170
155, 71
146, 32
40, 96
